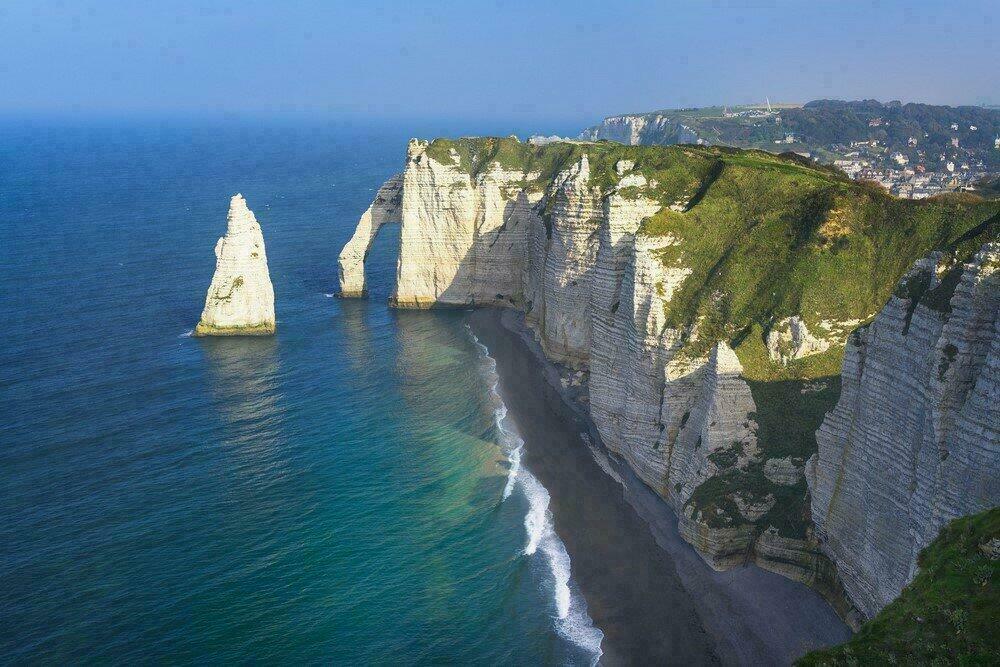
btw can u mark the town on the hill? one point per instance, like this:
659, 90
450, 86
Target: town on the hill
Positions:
955, 168
914, 151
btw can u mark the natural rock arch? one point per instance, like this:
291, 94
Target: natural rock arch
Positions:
387, 207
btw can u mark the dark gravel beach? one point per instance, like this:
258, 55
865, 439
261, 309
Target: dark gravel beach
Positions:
655, 599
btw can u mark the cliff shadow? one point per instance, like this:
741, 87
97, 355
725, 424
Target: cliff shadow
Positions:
488, 272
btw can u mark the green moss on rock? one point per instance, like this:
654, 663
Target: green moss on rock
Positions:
264, 329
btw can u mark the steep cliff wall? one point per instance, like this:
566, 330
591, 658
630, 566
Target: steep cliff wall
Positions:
915, 439
706, 293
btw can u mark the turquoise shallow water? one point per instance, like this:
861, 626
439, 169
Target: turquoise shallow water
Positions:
332, 494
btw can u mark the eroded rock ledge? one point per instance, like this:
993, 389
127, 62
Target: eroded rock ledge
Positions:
706, 292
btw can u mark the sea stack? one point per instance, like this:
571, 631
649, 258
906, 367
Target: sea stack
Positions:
240, 300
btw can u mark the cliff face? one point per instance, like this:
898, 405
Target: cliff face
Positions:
240, 300
462, 240
637, 129
706, 293
914, 441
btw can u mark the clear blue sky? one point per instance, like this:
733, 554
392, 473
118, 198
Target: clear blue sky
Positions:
583, 59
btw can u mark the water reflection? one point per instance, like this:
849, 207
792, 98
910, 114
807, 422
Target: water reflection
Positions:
365, 325
352, 324
245, 383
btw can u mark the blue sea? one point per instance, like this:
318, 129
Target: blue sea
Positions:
344, 492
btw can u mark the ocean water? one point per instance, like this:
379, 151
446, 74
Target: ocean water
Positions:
345, 492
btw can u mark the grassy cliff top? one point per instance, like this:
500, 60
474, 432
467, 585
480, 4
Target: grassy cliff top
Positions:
677, 169
767, 238
947, 615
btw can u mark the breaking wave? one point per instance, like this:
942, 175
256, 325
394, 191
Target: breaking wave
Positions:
571, 621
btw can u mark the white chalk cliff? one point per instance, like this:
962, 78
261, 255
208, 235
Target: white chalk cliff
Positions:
638, 129
914, 441
566, 251
240, 300
567, 246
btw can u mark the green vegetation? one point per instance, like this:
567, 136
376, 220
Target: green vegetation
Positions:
825, 122
947, 615
476, 154
989, 188
771, 238
767, 238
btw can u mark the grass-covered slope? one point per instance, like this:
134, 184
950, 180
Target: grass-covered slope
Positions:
766, 237
948, 615
770, 238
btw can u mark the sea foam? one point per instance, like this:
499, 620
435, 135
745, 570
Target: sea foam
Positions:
510, 442
571, 621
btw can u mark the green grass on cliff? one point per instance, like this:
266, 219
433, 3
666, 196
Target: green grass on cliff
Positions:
768, 238
676, 171
947, 616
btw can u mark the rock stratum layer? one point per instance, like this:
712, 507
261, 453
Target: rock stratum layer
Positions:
240, 300
705, 293
918, 408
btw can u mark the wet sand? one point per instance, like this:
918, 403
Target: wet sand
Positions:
652, 595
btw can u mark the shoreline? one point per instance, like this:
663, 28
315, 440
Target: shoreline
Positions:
648, 590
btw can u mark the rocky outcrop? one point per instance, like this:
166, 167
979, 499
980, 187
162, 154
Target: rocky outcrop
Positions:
915, 439
240, 300
463, 235
783, 471
790, 339
385, 208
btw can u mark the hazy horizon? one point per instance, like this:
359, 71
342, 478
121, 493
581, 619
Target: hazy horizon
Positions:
507, 60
